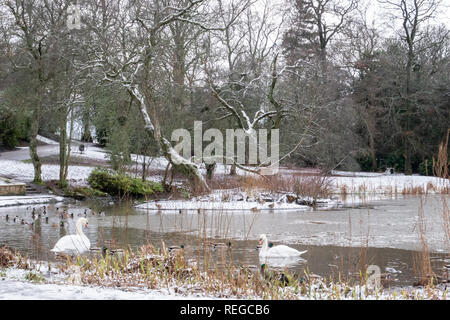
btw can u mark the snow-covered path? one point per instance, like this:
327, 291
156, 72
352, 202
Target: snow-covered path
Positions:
52, 148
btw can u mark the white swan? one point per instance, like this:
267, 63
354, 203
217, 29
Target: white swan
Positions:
280, 251
74, 244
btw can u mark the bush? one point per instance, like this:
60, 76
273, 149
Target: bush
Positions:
393, 160
13, 128
365, 162
426, 168
115, 183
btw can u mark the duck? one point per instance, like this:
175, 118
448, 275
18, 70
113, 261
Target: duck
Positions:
284, 278
221, 245
386, 279
280, 251
105, 251
176, 249
111, 251
74, 244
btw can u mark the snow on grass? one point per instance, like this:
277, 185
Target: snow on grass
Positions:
14, 286
344, 182
46, 140
17, 284
25, 172
390, 184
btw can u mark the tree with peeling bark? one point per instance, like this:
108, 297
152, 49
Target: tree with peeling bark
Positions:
126, 41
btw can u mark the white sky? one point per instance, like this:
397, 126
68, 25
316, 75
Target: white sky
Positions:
376, 10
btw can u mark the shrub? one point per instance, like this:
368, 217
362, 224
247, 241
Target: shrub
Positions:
13, 128
365, 162
115, 183
426, 168
393, 160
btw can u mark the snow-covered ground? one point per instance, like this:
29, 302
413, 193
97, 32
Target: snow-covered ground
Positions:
24, 172
14, 286
12, 166
389, 184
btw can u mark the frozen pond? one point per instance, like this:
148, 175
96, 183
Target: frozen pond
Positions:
381, 232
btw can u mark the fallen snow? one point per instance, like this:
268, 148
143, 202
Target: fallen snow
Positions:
15, 287
46, 140
21, 171
389, 184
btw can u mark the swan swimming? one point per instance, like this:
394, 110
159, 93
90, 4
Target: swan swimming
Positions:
280, 251
76, 243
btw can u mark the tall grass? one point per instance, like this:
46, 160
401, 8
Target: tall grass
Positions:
422, 259
441, 165
304, 186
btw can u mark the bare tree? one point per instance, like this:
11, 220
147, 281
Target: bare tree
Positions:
35, 27
413, 15
128, 40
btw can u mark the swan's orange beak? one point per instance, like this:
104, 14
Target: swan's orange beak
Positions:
260, 241
86, 225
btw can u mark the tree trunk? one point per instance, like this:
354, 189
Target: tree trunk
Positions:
87, 135
406, 142
69, 145
62, 148
372, 152
180, 164
144, 169
33, 145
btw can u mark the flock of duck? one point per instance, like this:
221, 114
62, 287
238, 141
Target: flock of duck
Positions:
43, 214
79, 243
70, 244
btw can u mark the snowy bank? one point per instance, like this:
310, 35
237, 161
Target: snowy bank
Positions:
14, 286
7, 201
363, 182
22, 171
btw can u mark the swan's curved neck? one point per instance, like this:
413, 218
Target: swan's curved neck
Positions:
79, 228
264, 245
